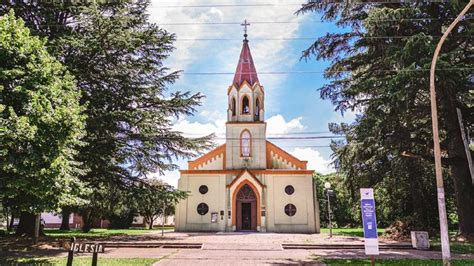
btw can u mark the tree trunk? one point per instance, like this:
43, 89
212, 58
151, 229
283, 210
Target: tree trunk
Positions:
463, 187
464, 197
87, 221
65, 219
12, 221
26, 225
150, 224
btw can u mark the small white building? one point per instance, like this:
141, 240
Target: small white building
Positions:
248, 183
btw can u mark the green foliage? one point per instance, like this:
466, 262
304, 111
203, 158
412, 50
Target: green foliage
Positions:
344, 208
117, 57
153, 197
100, 232
407, 262
77, 261
41, 123
354, 231
386, 79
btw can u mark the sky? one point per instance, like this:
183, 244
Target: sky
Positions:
292, 101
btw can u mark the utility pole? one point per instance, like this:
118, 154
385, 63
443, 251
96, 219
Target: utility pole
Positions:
443, 223
163, 218
327, 186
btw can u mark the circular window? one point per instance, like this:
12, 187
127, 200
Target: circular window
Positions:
290, 209
202, 208
203, 189
289, 189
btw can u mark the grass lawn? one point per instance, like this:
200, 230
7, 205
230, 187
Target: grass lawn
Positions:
456, 247
404, 262
350, 231
102, 232
77, 261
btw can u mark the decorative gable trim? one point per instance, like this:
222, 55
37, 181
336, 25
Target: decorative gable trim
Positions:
250, 174
273, 149
245, 83
208, 157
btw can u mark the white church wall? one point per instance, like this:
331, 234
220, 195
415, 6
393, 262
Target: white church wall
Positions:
216, 163
188, 219
258, 150
302, 198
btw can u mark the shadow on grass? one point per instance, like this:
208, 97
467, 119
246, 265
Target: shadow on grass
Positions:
404, 262
77, 261
357, 232
456, 247
26, 261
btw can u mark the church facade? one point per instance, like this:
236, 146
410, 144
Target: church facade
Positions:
248, 183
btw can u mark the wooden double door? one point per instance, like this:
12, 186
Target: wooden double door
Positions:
246, 202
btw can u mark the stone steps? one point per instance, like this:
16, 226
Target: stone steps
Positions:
152, 245
343, 246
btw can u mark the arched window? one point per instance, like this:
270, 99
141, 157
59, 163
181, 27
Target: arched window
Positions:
257, 109
245, 143
245, 105
233, 106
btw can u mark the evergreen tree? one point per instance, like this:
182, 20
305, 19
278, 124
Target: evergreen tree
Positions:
380, 66
117, 57
154, 196
41, 124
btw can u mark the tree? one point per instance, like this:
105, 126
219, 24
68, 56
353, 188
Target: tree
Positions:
344, 208
153, 195
117, 57
41, 125
380, 66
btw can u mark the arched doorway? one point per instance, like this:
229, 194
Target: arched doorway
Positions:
246, 201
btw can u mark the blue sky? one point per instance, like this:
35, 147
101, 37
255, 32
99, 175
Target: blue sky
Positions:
292, 101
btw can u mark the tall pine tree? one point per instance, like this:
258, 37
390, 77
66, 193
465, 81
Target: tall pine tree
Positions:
117, 56
380, 65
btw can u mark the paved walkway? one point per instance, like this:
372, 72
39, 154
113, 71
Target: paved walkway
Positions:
259, 249
249, 249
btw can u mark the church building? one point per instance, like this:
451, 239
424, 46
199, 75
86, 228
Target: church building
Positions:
248, 183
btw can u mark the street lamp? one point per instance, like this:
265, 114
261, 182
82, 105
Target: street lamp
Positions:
327, 186
443, 223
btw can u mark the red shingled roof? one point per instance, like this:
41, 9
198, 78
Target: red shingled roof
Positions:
245, 68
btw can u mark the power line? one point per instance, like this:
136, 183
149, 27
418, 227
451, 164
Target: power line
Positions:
292, 22
319, 71
275, 134
313, 38
276, 5
224, 5
72, 23
282, 138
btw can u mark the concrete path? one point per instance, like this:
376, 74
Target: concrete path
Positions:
260, 249
247, 249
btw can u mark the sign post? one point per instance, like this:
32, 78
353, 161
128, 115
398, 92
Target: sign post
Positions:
369, 222
77, 247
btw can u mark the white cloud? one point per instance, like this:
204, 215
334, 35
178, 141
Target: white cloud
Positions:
196, 129
278, 125
315, 160
268, 55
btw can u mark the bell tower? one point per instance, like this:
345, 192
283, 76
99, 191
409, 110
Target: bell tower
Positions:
245, 127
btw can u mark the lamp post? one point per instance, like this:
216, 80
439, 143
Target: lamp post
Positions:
327, 186
446, 253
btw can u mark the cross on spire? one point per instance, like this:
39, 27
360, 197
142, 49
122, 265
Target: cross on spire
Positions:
245, 24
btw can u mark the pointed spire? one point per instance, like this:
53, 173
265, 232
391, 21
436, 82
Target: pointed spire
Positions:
245, 68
